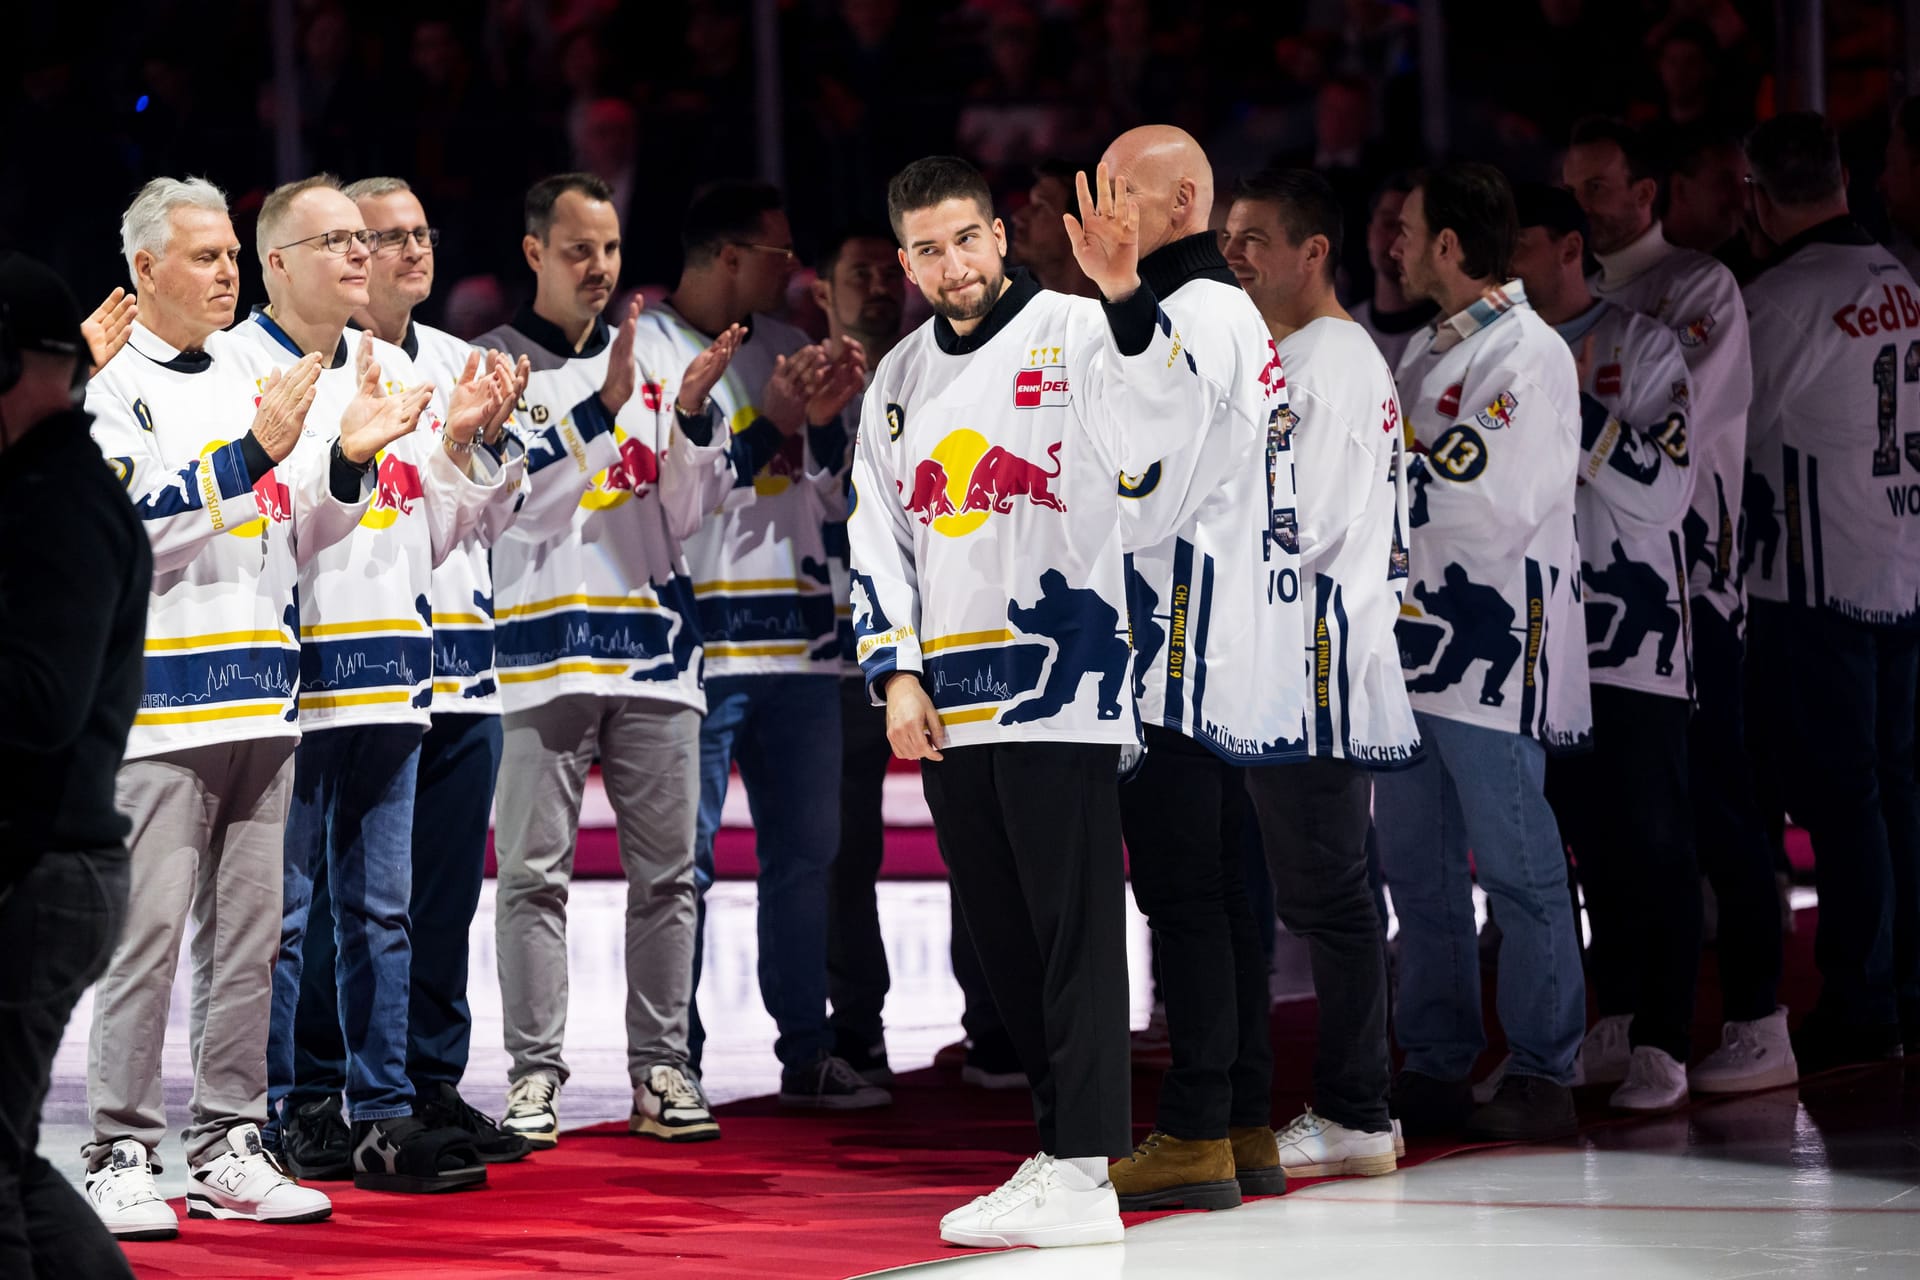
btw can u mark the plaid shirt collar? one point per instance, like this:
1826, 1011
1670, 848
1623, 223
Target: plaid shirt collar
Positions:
1490, 306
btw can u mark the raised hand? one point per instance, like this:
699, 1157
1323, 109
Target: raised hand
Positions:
622, 374
840, 377
282, 412
373, 419
705, 370
1107, 243
787, 390
109, 327
483, 393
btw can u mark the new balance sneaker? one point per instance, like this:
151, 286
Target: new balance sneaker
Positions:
993, 1066
869, 1060
122, 1193
314, 1142
829, 1084
533, 1109
403, 1155
1655, 1082
440, 1106
1048, 1203
668, 1104
1316, 1147
245, 1183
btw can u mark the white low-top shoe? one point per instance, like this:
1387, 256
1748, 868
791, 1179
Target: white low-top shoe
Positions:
1655, 1082
1606, 1055
1019, 1175
122, 1193
1316, 1147
1039, 1209
246, 1184
1752, 1056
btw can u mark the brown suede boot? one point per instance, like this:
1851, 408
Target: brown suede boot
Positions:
1256, 1162
1165, 1172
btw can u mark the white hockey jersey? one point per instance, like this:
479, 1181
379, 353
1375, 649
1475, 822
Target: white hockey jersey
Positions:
1833, 497
760, 567
366, 639
1393, 331
1213, 574
985, 523
1698, 298
1490, 632
1349, 453
1635, 483
592, 593
222, 661
461, 594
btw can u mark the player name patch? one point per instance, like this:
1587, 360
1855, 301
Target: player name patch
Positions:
1042, 388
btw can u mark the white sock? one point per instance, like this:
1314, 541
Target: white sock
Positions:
1082, 1173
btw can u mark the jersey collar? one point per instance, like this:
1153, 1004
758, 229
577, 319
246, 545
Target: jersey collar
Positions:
1487, 308
409, 341
550, 337
1022, 288
1630, 260
1577, 328
280, 336
1194, 257
1840, 230
151, 345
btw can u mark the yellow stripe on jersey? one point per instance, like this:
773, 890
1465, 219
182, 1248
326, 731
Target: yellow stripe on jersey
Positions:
961, 639
577, 601
561, 667
800, 586
379, 697
201, 715
322, 630
218, 640
972, 715
446, 686
764, 649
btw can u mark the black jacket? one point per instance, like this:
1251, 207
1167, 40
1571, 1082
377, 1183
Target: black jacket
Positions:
75, 570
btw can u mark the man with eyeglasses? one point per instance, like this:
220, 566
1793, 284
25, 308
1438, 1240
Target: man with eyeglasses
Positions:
366, 666
768, 611
459, 757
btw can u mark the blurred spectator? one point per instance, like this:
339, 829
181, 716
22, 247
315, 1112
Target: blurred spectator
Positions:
1900, 182
476, 305
1039, 241
1562, 60
606, 135
1706, 198
1016, 113
1353, 165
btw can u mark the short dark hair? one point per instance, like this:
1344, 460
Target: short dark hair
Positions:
931, 181
1535, 204
1639, 154
1475, 203
1306, 203
725, 211
544, 194
837, 243
1796, 158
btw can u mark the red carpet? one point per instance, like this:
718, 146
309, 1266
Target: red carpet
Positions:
815, 1197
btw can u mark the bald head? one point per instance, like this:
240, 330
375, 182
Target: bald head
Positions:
1165, 169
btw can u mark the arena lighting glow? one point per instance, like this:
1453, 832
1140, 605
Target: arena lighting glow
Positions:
141, 103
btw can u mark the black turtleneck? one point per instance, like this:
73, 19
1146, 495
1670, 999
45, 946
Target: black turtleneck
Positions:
1132, 319
1841, 230
551, 337
1194, 257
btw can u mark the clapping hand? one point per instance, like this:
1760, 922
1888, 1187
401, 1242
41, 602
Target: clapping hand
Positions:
706, 369
109, 327
481, 399
621, 371
838, 378
281, 413
373, 419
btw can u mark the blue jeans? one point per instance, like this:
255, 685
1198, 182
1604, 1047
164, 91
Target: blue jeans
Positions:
785, 733
352, 812
1479, 790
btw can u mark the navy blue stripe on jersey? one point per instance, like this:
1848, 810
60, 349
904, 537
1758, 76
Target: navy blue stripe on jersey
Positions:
247, 673
767, 618
228, 466
351, 663
1531, 657
1813, 533
1205, 620
1340, 669
1179, 638
659, 636
996, 674
546, 447
1790, 499
462, 653
1322, 663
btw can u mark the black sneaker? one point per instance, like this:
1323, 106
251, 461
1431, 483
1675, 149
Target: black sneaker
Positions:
992, 1064
1823, 1043
869, 1060
403, 1154
1526, 1109
440, 1106
314, 1143
1430, 1108
829, 1084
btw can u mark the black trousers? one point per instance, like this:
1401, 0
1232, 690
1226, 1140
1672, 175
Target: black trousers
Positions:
1031, 833
1184, 815
1840, 723
1314, 817
857, 977
59, 920
1624, 811
1732, 843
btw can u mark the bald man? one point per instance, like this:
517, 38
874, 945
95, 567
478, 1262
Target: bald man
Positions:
1214, 590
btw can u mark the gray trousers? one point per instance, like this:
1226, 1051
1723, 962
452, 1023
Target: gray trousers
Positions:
649, 753
208, 825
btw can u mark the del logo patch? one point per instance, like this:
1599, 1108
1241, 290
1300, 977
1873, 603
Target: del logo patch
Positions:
1499, 414
1042, 388
1607, 381
1449, 401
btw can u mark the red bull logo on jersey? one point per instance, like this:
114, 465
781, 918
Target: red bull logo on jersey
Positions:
1499, 414
1697, 333
966, 480
634, 475
1042, 388
274, 499
1273, 379
1894, 310
396, 488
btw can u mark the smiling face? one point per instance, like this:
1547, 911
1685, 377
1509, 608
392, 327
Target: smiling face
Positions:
192, 286
1617, 207
956, 252
1261, 253
401, 277
324, 285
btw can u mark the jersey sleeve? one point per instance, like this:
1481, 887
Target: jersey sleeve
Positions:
1636, 458
320, 519
1332, 460
1143, 393
506, 505
562, 459
456, 498
885, 584
695, 477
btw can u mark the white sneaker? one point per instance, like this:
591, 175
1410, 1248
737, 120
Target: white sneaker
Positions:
1752, 1056
1655, 1082
1020, 1175
1316, 1147
533, 1109
669, 1105
1606, 1052
122, 1193
244, 1182
1037, 1207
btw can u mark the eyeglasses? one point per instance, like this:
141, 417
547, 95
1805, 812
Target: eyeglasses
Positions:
786, 253
391, 241
335, 242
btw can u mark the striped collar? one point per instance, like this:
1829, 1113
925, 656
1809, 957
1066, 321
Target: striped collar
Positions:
1487, 308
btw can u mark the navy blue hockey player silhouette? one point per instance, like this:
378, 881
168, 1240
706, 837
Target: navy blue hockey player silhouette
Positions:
1148, 634
1642, 594
1763, 527
1088, 632
1482, 631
